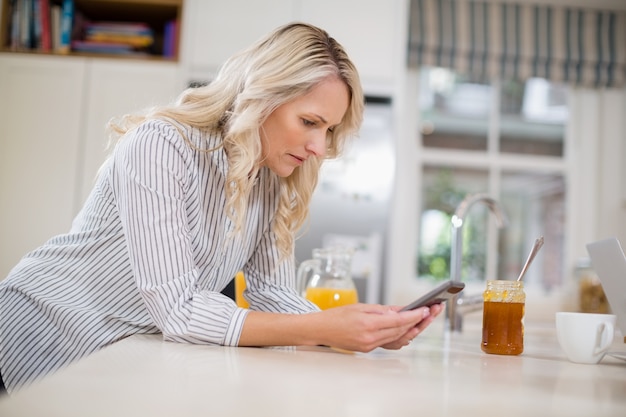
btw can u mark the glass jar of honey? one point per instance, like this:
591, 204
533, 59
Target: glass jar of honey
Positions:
503, 312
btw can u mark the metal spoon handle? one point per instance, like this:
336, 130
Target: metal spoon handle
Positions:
533, 252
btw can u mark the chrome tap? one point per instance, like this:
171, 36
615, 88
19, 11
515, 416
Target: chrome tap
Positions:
461, 304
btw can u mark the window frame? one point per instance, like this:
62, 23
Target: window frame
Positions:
596, 196
493, 162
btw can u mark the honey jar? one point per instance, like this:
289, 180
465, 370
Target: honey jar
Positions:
503, 313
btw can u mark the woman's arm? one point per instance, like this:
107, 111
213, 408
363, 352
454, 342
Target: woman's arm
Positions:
357, 327
154, 174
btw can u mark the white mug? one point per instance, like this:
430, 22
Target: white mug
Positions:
585, 337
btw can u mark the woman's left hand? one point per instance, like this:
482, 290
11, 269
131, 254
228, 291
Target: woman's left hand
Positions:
408, 337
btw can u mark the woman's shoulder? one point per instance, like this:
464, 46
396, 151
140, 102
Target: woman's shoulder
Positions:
150, 138
160, 127
163, 132
198, 139
166, 140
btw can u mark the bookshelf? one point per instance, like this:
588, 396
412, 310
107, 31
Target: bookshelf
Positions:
147, 29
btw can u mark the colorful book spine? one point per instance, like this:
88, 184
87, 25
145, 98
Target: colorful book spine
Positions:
14, 42
46, 33
35, 25
170, 39
55, 26
25, 24
67, 15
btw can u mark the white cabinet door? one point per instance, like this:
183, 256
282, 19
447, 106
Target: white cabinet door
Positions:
114, 88
370, 30
216, 29
40, 117
53, 115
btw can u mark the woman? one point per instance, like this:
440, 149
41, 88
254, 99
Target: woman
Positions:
192, 193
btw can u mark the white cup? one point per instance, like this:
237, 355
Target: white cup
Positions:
585, 337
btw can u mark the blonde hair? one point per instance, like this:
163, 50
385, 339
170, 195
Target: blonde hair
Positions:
278, 68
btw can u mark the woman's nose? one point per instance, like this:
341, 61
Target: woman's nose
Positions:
317, 144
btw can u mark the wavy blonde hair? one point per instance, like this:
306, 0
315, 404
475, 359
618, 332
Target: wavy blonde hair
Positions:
282, 66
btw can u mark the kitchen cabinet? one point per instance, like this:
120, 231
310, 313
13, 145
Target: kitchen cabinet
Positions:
370, 30
53, 112
216, 29
40, 109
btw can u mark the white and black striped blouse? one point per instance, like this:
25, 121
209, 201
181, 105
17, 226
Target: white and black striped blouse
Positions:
148, 253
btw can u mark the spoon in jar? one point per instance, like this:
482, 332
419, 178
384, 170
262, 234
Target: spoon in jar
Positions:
533, 252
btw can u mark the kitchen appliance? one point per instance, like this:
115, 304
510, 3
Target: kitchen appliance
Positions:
351, 205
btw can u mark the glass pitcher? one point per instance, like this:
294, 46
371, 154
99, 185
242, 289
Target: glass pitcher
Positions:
326, 279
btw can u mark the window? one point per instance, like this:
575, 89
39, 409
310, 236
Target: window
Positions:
504, 138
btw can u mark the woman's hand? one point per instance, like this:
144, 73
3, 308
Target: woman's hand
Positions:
355, 327
406, 339
364, 327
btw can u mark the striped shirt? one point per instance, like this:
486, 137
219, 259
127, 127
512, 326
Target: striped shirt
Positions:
149, 253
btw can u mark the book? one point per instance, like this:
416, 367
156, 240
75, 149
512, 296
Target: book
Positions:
170, 39
102, 47
67, 15
26, 13
55, 27
35, 25
14, 35
137, 35
46, 33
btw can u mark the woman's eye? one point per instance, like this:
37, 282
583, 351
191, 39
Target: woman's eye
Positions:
308, 122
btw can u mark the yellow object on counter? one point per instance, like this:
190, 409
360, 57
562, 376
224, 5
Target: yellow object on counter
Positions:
240, 286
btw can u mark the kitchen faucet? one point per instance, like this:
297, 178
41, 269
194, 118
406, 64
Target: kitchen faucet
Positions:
460, 305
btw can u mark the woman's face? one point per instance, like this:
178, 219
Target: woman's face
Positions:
297, 130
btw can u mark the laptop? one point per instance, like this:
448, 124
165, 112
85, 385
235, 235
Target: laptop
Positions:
609, 263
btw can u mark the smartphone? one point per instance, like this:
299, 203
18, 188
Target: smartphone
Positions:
442, 293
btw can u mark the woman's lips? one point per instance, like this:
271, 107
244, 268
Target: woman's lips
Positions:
299, 160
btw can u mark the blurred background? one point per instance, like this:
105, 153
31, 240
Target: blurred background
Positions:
521, 100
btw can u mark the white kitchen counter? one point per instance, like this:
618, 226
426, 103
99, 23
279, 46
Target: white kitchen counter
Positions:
440, 374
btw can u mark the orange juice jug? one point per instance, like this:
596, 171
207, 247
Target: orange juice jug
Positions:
326, 279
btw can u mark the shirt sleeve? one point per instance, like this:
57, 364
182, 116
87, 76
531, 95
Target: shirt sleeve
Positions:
150, 180
271, 282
